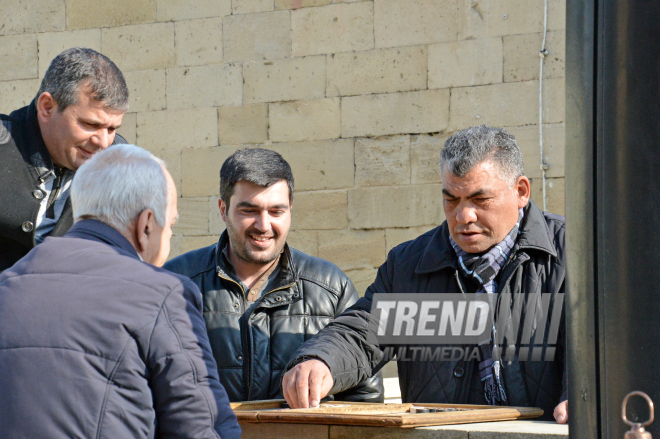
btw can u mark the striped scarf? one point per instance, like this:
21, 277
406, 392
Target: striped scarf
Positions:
483, 269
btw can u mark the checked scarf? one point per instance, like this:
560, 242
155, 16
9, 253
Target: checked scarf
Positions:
483, 270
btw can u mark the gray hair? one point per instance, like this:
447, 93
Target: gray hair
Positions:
117, 184
79, 66
467, 148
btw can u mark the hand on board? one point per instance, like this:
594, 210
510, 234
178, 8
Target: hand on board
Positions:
306, 384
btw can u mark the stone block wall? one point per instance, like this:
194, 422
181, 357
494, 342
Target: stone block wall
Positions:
358, 96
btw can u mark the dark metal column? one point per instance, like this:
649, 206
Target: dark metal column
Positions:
612, 210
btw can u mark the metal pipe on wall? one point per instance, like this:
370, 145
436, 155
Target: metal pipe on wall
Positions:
612, 211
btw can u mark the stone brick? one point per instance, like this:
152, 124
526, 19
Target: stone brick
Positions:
553, 148
304, 240
554, 193
465, 63
22, 17
251, 6
140, 47
362, 278
284, 80
382, 161
473, 19
297, 4
175, 247
396, 113
320, 210
240, 125
425, 158
556, 14
521, 56
147, 90
193, 217
319, 165
257, 36
190, 243
200, 170
498, 105
53, 43
172, 158
18, 57
553, 100
174, 129
198, 42
377, 71
411, 22
332, 29
174, 10
128, 128
17, 94
394, 237
512, 17
90, 14
395, 206
216, 223
204, 86
304, 120
353, 249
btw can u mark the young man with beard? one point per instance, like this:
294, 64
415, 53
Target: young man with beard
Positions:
262, 298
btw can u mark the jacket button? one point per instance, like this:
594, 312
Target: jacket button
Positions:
38, 194
27, 226
278, 298
240, 358
235, 305
458, 372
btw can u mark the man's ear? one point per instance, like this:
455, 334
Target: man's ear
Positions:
144, 226
223, 209
523, 191
46, 106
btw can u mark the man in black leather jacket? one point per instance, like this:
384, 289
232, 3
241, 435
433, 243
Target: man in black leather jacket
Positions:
75, 114
486, 202
263, 299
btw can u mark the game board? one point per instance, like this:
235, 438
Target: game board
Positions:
383, 415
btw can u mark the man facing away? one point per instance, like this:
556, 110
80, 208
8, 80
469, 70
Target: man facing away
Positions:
495, 240
263, 299
76, 113
95, 341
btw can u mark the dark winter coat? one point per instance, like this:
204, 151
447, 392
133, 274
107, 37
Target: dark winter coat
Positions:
95, 343
252, 344
428, 264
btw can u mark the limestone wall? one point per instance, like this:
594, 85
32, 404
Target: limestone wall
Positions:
358, 96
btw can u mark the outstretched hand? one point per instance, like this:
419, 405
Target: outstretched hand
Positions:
305, 384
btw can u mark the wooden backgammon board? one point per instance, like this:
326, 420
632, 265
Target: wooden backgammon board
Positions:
378, 415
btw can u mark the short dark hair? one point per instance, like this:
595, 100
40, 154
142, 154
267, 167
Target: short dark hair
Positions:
467, 148
262, 167
78, 67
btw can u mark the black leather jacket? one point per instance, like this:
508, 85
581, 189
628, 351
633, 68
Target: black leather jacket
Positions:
252, 344
24, 160
428, 264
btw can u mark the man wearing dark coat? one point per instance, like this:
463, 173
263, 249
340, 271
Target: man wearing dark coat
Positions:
76, 113
96, 340
495, 240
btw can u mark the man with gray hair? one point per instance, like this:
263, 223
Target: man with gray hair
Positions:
96, 340
495, 241
75, 114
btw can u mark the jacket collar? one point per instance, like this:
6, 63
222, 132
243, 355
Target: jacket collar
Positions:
34, 150
534, 235
287, 273
98, 231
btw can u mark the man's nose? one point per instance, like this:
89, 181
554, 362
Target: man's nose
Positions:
101, 138
466, 214
263, 222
